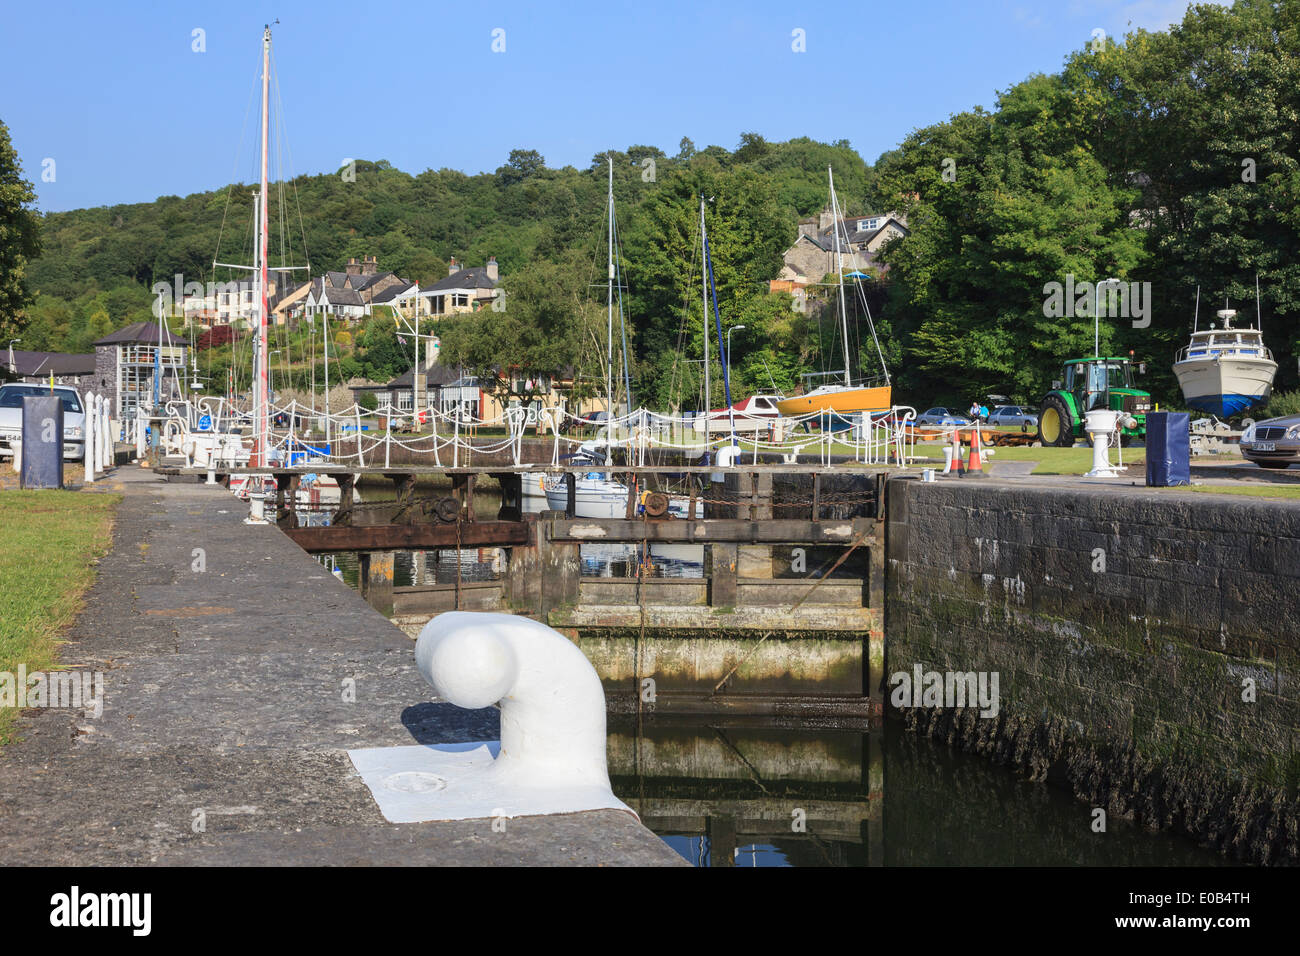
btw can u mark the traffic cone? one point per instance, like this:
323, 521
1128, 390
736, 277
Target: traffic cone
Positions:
956, 453
976, 467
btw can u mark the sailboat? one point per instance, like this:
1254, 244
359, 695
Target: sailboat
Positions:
1225, 371
845, 397
314, 490
596, 494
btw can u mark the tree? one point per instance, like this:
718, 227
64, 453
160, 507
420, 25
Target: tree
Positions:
20, 237
548, 327
522, 164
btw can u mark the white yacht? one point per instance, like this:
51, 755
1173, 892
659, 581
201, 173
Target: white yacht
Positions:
1225, 371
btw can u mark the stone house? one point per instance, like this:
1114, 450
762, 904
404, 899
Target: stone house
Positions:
813, 254
124, 366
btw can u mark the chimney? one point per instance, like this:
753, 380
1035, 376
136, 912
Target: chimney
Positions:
825, 219
354, 267
808, 228
492, 268
452, 266
370, 266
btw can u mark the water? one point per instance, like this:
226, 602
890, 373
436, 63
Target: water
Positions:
735, 794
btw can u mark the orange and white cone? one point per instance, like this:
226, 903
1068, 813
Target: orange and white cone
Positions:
976, 466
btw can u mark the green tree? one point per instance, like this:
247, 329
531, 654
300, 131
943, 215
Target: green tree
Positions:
20, 237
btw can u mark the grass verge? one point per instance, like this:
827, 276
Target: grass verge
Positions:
48, 543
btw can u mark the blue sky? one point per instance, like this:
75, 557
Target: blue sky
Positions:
115, 95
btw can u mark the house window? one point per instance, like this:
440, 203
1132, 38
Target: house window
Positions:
460, 300
404, 401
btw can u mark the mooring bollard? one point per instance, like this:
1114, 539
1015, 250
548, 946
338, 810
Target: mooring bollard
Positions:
89, 457
552, 704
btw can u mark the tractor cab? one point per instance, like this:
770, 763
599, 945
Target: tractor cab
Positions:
1087, 384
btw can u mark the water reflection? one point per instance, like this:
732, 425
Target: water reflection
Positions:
735, 794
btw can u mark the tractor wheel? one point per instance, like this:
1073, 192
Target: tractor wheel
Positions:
1055, 426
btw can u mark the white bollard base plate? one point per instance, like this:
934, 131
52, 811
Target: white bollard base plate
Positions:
422, 784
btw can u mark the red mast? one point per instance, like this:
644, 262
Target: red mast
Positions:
262, 392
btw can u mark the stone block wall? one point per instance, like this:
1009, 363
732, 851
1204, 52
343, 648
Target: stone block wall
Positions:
1130, 629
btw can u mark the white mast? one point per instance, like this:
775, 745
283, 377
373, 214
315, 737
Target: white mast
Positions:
415, 375
839, 263
261, 386
704, 290
609, 307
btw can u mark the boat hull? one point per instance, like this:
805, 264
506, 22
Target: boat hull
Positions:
1225, 386
843, 400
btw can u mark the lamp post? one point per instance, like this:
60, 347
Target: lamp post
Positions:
731, 409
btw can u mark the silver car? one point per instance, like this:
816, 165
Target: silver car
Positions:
11, 417
1274, 443
1013, 416
941, 416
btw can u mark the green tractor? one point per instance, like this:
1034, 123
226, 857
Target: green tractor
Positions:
1088, 384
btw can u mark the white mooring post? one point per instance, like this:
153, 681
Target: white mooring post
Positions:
89, 458
106, 445
139, 434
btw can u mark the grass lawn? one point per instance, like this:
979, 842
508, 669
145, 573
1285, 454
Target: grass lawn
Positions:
48, 540
1265, 490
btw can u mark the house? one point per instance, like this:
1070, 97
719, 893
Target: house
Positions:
817, 252
36, 368
347, 295
229, 303
464, 290
124, 366
445, 387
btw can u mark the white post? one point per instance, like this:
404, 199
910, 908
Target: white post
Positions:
455, 448
433, 426
361, 460
88, 457
107, 434
388, 438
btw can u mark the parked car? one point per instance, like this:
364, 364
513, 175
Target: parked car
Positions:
11, 417
941, 417
1013, 416
1274, 443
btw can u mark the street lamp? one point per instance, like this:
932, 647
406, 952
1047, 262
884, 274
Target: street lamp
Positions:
731, 409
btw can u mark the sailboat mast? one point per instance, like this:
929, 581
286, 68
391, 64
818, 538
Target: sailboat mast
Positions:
704, 294
839, 269
262, 391
609, 308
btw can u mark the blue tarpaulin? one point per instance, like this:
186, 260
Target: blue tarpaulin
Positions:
1169, 448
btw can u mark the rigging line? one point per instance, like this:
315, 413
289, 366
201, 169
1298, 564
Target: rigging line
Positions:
618, 277
234, 169
288, 148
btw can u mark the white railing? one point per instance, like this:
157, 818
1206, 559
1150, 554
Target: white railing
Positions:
868, 438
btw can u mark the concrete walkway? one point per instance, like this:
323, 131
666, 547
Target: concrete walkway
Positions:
223, 703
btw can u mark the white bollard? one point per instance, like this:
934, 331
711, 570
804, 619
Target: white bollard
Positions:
551, 757
17, 446
1100, 425
89, 459
106, 433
